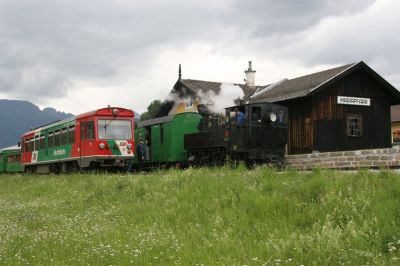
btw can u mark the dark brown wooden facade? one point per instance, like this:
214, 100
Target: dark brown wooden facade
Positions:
318, 122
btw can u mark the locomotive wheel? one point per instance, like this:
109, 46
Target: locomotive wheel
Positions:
55, 168
250, 163
73, 167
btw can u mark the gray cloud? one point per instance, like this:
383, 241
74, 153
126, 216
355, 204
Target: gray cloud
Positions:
369, 37
268, 17
88, 39
45, 45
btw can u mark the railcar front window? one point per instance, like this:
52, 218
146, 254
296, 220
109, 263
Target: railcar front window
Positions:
114, 129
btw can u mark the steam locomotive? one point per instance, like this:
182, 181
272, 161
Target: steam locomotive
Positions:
260, 139
202, 139
107, 138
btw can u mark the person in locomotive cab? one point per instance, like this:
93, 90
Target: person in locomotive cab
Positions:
240, 117
141, 152
147, 147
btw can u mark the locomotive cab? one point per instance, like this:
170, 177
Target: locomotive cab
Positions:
254, 132
263, 134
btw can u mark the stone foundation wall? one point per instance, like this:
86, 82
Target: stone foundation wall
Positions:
373, 158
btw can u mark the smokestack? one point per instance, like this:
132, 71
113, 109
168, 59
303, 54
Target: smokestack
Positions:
250, 76
179, 72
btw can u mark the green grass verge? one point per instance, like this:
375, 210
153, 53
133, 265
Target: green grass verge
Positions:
201, 216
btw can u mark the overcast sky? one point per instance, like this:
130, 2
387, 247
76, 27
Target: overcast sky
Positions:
77, 56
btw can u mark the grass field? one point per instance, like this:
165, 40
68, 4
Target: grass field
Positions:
203, 216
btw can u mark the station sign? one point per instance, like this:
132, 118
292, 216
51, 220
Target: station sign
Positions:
353, 101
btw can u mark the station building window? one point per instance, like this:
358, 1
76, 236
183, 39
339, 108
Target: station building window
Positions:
354, 126
189, 103
396, 136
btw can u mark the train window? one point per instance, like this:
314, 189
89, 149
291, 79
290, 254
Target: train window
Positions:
12, 159
114, 129
232, 116
256, 114
26, 144
31, 144
83, 130
41, 142
354, 126
161, 134
64, 136
280, 117
71, 132
37, 143
57, 138
51, 140
90, 130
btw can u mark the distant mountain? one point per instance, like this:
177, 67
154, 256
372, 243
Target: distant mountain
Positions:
17, 117
137, 117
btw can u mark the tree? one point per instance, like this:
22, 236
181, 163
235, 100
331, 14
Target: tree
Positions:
152, 110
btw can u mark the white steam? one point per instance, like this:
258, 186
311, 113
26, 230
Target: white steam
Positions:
227, 96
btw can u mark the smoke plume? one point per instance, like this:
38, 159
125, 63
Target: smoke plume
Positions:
228, 95
165, 107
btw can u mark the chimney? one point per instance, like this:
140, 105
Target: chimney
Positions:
250, 76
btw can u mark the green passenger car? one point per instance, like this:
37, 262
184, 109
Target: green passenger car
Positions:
10, 160
164, 138
58, 138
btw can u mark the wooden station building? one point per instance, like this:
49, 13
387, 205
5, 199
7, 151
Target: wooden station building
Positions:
343, 108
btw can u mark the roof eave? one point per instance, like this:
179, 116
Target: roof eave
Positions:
351, 69
281, 99
333, 79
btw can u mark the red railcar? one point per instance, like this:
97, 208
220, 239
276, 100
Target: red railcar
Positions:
101, 138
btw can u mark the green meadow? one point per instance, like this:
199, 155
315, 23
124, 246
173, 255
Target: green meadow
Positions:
206, 216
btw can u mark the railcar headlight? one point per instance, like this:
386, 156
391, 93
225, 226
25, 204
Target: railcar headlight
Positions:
129, 146
272, 117
102, 146
115, 111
